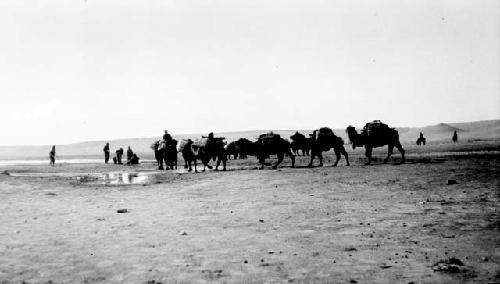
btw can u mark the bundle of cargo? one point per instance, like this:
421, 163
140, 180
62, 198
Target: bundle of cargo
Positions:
269, 135
373, 127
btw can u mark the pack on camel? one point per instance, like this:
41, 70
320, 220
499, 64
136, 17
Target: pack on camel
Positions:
165, 153
272, 144
324, 140
376, 134
203, 151
300, 142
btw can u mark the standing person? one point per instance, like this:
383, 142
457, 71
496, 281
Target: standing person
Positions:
455, 137
52, 156
119, 154
106, 153
129, 153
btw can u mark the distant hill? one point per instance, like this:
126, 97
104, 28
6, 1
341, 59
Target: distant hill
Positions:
487, 129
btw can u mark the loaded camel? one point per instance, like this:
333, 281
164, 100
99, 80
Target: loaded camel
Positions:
323, 140
376, 134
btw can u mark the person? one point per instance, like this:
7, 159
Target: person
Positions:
106, 153
455, 137
134, 160
421, 136
119, 154
167, 138
52, 156
129, 153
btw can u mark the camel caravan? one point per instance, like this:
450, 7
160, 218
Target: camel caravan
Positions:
209, 148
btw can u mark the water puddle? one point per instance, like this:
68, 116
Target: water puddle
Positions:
111, 178
121, 178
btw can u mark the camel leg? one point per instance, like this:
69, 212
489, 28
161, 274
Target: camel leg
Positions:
280, 159
218, 162
389, 153
320, 157
167, 164
262, 161
160, 164
343, 151
292, 157
195, 168
312, 159
223, 163
368, 154
402, 151
337, 154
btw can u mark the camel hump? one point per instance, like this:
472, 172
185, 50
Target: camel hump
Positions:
325, 131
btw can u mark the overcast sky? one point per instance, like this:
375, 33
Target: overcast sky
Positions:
75, 70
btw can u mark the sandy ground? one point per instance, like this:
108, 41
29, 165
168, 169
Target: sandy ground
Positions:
358, 224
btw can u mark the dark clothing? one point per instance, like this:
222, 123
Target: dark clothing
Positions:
167, 138
106, 153
52, 156
119, 154
129, 154
134, 160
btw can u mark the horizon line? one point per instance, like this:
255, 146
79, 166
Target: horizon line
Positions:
237, 131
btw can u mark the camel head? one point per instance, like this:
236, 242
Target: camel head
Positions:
354, 137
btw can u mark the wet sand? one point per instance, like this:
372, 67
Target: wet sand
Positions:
379, 223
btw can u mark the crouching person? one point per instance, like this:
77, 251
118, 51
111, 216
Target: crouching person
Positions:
134, 160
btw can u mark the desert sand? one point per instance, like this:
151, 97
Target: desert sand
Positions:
434, 219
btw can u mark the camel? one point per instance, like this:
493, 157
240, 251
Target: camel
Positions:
300, 142
376, 134
324, 140
165, 153
421, 139
192, 152
237, 148
271, 144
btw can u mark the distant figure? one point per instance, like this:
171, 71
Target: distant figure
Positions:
421, 140
129, 153
106, 153
52, 156
134, 160
167, 138
455, 137
119, 154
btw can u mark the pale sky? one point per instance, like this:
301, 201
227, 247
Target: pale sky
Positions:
76, 70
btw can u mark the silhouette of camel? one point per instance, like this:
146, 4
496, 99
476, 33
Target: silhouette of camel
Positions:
376, 134
324, 140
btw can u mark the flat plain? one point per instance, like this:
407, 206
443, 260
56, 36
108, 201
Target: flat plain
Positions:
433, 219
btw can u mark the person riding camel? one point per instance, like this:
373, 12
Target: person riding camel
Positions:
167, 137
